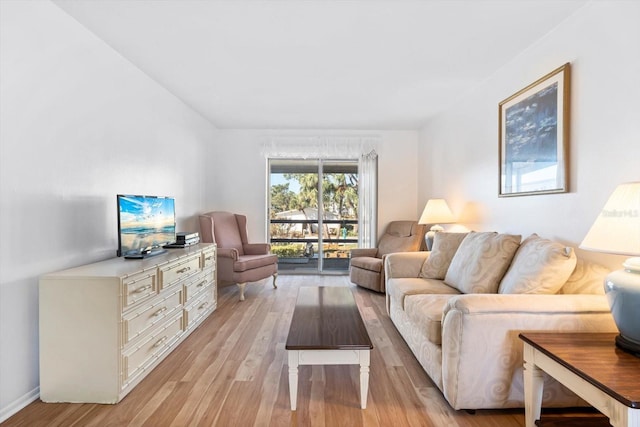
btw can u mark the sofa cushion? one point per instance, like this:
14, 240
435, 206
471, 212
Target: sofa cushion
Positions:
367, 263
398, 289
249, 262
539, 266
444, 248
587, 278
481, 261
426, 310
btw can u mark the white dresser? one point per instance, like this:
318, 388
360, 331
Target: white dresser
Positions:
105, 326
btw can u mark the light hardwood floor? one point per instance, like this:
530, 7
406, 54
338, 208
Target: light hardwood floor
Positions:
232, 371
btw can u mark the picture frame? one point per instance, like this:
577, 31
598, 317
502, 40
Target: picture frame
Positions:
534, 137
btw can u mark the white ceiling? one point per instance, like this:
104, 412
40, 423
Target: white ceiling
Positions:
311, 64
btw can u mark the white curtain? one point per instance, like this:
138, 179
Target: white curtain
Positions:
368, 204
318, 147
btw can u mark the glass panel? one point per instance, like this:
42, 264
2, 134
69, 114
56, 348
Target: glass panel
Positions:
306, 236
340, 213
293, 214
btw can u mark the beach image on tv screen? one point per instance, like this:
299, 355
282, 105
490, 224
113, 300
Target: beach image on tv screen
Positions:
146, 222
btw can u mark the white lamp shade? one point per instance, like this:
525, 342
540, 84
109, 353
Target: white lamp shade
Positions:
617, 228
436, 211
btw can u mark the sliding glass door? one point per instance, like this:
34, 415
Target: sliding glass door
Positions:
313, 214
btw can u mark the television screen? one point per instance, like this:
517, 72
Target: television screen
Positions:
145, 225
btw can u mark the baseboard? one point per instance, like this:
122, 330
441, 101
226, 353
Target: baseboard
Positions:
18, 404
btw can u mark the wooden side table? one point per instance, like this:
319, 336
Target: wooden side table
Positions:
590, 365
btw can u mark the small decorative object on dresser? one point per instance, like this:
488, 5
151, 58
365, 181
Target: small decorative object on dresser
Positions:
188, 237
617, 231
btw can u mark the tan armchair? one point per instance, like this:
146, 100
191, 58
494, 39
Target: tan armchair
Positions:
367, 264
238, 261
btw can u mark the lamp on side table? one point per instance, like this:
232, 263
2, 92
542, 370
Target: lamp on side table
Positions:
617, 231
435, 212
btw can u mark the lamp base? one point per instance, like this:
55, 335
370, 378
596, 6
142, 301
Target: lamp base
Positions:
622, 288
431, 234
628, 345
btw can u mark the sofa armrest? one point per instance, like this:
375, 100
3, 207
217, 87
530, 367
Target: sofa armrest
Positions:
370, 252
256, 248
480, 340
404, 264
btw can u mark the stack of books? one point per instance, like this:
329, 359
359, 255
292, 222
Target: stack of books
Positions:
187, 238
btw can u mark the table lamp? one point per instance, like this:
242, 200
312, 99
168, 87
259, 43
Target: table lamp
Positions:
617, 231
435, 212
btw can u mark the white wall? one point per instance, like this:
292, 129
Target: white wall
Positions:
237, 178
459, 148
79, 125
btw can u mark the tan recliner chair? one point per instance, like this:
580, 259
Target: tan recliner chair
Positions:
238, 261
367, 264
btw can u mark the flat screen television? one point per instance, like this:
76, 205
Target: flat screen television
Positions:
145, 225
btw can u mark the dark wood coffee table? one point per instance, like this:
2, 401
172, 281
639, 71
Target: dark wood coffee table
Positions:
590, 365
327, 329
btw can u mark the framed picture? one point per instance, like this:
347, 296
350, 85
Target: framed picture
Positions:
534, 137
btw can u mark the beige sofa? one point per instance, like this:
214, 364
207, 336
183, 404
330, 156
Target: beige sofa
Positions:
461, 307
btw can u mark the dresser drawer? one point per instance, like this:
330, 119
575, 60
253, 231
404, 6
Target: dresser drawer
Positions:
178, 270
209, 258
139, 357
195, 285
139, 287
146, 316
200, 306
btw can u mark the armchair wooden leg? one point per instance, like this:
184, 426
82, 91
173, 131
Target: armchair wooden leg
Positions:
241, 287
275, 276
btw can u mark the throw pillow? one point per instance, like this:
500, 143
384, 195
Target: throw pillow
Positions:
481, 261
444, 248
540, 266
587, 278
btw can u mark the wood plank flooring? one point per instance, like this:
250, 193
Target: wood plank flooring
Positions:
232, 371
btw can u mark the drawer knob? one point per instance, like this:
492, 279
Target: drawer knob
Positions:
209, 258
141, 289
184, 270
203, 305
160, 311
161, 341
201, 284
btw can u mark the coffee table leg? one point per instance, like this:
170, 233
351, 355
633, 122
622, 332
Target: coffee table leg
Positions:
293, 377
533, 387
364, 377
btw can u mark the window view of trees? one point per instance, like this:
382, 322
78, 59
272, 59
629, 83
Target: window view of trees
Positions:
297, 234
339, 194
